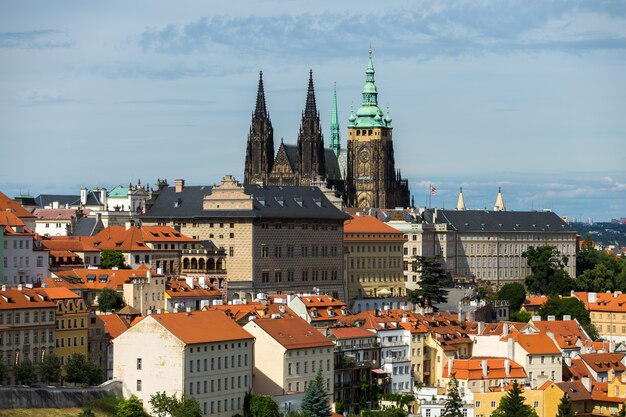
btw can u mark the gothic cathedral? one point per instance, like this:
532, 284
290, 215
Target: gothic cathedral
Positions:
364, 174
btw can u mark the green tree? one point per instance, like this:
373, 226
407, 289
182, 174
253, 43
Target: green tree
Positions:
110, 258
557, 307
4, 372
76, 369
622, 411
315, 399
515, 293
433, 280
454, 403
263, 406
164, 405
25, 372
565, 408
93, 373
520, 316
130, 407
548, 275
87, 412
110, 300
512, 405
50, 369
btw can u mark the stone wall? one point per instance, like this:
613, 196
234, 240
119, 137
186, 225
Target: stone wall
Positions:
62, 397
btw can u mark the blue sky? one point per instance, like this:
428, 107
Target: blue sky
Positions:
529, 96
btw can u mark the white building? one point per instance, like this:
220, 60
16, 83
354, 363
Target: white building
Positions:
24, 261
200, 354
395, 359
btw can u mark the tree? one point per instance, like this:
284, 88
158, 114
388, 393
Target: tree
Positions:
512, 405
433, 279
4, 372
25, 372
76, 369
170, 406
454, 404
263, 406
515, 293
131, 407
520, 316
622, 411
87, 412
548, 275
557, 307
50, 369
565, 408
110, 300
93, 374
315, 399
110, 258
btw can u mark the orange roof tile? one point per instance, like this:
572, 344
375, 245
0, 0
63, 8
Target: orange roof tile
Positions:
470, 369
54, 214
95, 278
534, 344
566, 332
535, 301
371, 227
113, 324
70, 243
180, 288
202, 326
604, 301
135, 238
602, 362
26, 298
8, 204
59, 293
293, 333
349, 333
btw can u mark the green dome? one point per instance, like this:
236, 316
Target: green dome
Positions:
369, 114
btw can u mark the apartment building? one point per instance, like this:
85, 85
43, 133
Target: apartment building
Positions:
607, 312
479, 374
288, 353
24, 258
200, 354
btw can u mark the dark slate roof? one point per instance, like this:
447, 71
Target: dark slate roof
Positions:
87, 226
269, 202
330, 161
503, 221
292, 155
43, 200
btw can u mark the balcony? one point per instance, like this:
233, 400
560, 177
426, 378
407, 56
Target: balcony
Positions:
397, 359
393, 344
349, 362
204, 271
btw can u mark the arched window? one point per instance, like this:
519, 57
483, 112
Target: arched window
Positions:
194, 263
185, 263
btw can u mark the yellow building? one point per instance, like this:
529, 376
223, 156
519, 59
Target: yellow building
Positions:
72, 323
607, 312
544, 400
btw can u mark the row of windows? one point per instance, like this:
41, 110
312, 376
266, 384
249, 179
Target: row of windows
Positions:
304, 251
376, 248
368, 263
291, 367
22, 261
61, 324
17, 317
393, 277
18, 337
305, 226
18, 243
297, 385
215, 385
315, 275
61, 342
216, 363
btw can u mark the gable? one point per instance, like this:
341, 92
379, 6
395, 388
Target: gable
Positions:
282, 162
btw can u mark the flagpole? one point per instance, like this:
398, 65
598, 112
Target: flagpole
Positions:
430, 195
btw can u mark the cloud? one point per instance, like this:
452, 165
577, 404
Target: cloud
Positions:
428, 30
35, 39
43, 98
173, 102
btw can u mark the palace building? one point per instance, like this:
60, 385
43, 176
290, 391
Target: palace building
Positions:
363, 175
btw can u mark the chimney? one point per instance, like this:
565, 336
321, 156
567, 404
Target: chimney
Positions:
20, 287
481, 327
568, 361
148, 274
450, 365
567, 317
483, 364
83, 196
507, 367
510, 348
460, 315
103, 198
179, 184
4, 287
55, 204
148, 312
551, 318
505, 329
586, 382
536, 318
592, 297
159, 311
188, 309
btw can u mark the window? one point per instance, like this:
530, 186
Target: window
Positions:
477, 404
139, 363
536, 404
493, 404
264, 251
139, 385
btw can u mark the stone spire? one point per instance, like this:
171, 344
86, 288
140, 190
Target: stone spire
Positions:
260, 110
499, 202
260, 146
460, 204
369, 114
335, 140
310, 160
310, 110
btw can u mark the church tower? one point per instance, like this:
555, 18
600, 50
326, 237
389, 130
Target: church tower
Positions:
372, 180
335, 140
260, 148
310, 160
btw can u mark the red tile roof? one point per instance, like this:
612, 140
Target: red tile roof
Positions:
201, 326
604, 301
180, 288
349, 333
70, 243
293, 333
566, 332
135, 238
371, 228
534, 344
59, 293
471, 369
536, 302
8, 204
54, 214
575, 390
115, 278
113, 324
602, 362
26, 298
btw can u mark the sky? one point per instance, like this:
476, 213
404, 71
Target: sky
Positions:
529, 96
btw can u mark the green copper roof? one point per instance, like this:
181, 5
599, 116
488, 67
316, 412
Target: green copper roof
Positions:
335, 143
369, 114
118, 191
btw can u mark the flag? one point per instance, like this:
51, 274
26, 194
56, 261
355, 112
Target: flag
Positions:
433, 190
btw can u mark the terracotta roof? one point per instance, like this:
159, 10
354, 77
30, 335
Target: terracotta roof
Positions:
576, 370
57, 282
349, 333
602, 362
201, 326
600, 391
566, 332
534, 344
12, 224
98, 279
180, 288
128, 311
54, 214
371, 226
8, 204
113, 324
575, 390
604, 301
535, 301
59, 293
70, 243
321, 301
497, 329
26, 298
470, 369
293, 333
135, 238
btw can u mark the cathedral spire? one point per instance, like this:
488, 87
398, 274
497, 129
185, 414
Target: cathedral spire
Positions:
311, 109
499, 202
460, 204
260, 109
335, 141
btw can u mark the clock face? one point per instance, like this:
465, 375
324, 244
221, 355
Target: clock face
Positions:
364, 156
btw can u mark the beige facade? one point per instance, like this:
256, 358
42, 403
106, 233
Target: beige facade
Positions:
145, 293
217, 373
280, 369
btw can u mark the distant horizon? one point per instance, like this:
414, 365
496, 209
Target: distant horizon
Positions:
529, 97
